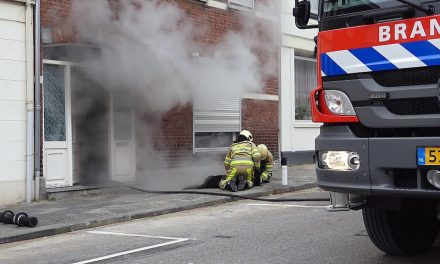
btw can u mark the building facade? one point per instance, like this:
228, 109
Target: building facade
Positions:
90, 134
16, 97
298, 78
110, 134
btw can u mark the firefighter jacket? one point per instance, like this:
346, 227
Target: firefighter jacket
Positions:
243, 153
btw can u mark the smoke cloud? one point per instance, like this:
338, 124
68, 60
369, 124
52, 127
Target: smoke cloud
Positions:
153, 49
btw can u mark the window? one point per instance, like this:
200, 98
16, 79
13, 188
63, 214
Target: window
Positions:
216, 123
340, 7
211, 141
54, 103
305, 81
314, 6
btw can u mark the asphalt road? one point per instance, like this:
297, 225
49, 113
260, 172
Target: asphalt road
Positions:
239, 232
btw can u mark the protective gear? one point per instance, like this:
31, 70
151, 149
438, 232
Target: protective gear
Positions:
263, 151
241, 183
249, 184
241, 159
231, 185
247, 134
265, 172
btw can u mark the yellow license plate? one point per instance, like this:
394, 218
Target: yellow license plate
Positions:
428, 156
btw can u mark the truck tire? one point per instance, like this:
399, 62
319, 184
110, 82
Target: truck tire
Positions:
410, 231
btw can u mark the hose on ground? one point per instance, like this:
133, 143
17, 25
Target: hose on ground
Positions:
225, 195
21, 219
7, 217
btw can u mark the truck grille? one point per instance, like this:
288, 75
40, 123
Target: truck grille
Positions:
414, 106
406, 77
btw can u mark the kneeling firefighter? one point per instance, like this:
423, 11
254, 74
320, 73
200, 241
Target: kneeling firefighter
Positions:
240, 161
265, 172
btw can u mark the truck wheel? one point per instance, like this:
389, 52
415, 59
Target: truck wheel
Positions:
410, 231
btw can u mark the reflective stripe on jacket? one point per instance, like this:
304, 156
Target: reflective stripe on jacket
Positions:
243, 153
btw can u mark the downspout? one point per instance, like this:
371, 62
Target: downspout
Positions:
280, 65
37, 127
29, 101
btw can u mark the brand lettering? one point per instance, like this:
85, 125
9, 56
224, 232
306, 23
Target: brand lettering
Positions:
402, 31
384, 33
379, 95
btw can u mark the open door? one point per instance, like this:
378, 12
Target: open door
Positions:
57, 125
123, 138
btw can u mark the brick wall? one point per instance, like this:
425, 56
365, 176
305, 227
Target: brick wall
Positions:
254, 112
53, 16
176, 133
176, 125
260, 117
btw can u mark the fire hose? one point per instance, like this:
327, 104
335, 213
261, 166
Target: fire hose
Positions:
20, 219
224, 195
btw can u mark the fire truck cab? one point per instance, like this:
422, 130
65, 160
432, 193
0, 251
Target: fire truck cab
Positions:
378, 98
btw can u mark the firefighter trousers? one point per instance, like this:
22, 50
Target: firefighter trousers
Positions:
239, 170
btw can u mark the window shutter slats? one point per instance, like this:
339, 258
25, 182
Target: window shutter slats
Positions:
218, 115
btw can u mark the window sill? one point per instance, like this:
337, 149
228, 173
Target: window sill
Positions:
204, 150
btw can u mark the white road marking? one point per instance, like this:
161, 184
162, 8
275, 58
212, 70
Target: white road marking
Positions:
173, 241
133, 235
291, 205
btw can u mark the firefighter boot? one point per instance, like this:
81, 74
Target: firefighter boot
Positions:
241, 183
232, 186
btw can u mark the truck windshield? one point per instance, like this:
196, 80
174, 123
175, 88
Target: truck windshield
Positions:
340, 7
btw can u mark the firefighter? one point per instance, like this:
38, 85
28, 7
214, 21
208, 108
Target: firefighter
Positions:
265, 172
240, 161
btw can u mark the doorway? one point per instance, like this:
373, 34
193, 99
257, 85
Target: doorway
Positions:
57, 136
89, 131
123, 137
90, 118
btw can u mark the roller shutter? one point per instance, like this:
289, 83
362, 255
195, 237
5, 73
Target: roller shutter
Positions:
218, 115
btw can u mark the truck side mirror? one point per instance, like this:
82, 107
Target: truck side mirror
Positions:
301, 12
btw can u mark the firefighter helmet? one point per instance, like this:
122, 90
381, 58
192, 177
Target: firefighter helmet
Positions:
263, 151
247, 134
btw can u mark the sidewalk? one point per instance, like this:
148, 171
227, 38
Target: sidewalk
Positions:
80, 212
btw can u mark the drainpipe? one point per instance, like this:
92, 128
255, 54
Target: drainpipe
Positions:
29, 101
37, 126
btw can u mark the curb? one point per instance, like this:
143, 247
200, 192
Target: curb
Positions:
63, 228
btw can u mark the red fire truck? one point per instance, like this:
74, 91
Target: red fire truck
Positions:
378, 98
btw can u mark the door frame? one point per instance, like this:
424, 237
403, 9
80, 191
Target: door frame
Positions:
111, 163
68, 115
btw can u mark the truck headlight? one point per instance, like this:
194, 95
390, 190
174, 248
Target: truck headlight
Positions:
339, 160
338, 103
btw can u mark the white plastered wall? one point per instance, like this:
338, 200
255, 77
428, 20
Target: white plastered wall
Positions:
12, 102
295, 135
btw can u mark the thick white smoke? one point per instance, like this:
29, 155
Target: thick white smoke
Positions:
153, 49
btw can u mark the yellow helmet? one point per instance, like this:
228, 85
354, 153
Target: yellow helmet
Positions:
247, 134
263, 151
